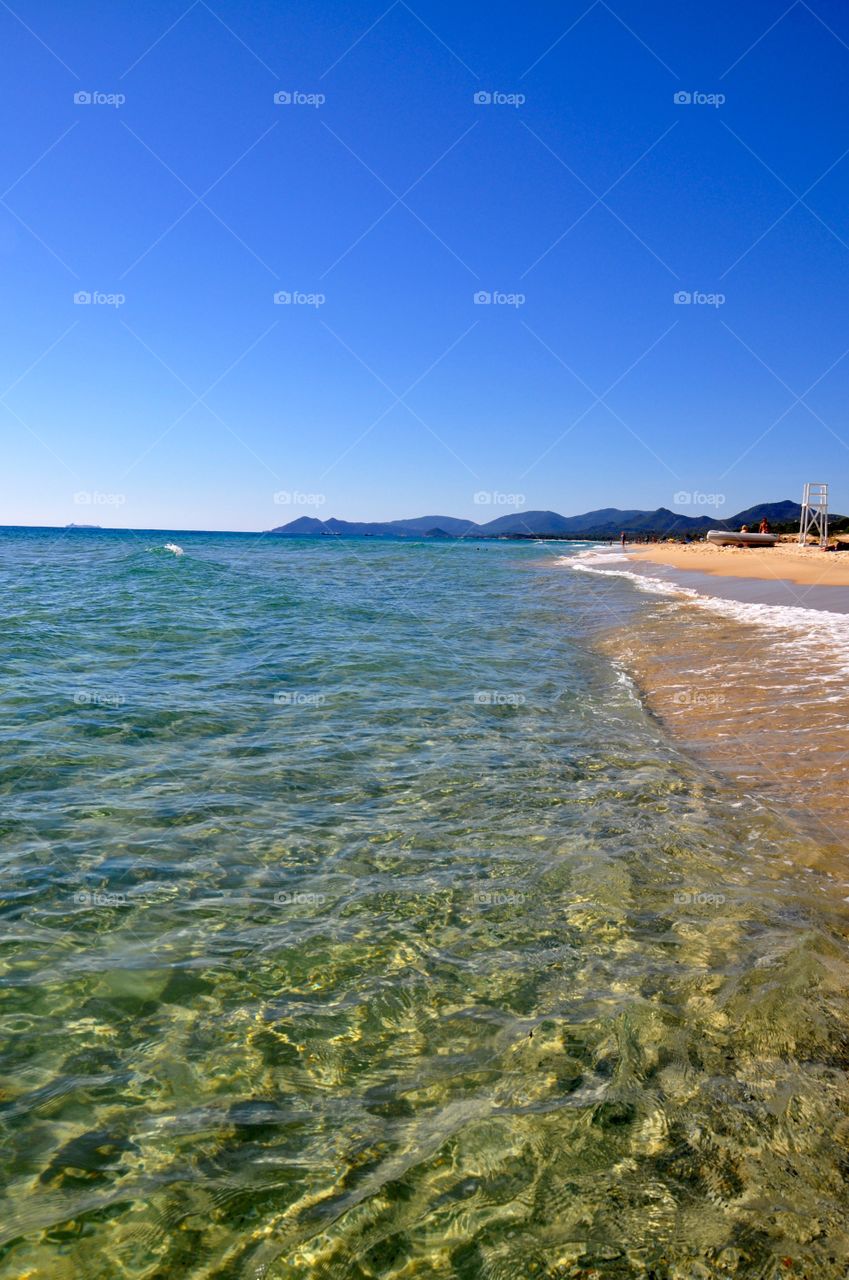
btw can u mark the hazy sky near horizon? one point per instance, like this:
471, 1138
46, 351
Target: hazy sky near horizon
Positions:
420, 155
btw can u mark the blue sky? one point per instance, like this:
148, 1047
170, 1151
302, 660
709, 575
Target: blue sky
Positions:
397, 199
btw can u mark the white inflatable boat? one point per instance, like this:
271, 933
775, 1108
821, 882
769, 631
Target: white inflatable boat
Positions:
720, 538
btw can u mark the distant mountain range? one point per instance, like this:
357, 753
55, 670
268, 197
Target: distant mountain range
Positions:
608, 522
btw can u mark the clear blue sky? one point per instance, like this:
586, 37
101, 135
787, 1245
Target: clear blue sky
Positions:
398, 198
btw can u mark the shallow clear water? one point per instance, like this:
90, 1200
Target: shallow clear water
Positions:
757, 689
358, 920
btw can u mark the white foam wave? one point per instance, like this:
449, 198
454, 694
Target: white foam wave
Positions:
172, 546
623, 679
819, 632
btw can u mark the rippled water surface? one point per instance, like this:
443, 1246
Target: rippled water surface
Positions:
358, 920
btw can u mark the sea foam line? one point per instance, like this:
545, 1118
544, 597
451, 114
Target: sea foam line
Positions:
816, 628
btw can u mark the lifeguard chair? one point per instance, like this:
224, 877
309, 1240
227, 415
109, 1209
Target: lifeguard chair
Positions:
814, 513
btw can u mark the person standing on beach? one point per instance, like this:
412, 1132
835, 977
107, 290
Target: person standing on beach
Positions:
622, 538
764, 526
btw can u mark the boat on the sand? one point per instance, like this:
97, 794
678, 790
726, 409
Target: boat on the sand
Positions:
723, 538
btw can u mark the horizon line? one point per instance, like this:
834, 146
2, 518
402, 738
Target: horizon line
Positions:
93, 528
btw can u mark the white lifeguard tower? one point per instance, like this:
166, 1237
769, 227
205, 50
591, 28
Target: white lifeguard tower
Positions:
814, 513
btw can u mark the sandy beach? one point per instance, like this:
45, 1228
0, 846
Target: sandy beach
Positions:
787, 561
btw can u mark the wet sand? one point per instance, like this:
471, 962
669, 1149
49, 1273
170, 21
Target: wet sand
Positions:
760, 591
755, 702
751, 675
787, 561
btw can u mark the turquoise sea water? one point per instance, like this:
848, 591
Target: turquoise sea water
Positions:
358, 920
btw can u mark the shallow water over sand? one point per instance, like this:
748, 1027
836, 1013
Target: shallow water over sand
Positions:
754, 679
359, 920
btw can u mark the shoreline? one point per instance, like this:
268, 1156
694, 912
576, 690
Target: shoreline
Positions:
748, 674
785, 562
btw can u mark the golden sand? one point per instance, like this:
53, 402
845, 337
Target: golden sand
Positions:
754, 703
808, 566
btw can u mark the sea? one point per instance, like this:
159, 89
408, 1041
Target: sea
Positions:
416, 909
